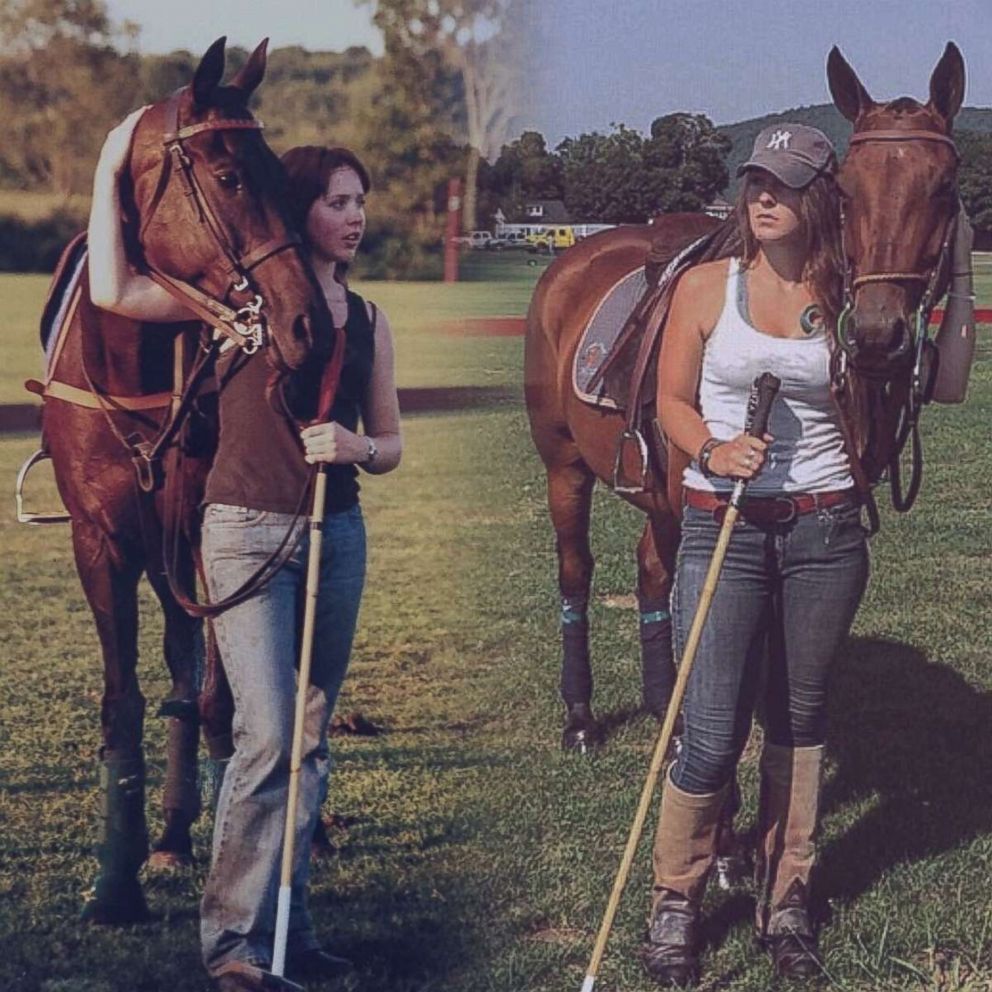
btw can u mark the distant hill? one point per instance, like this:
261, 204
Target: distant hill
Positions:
829, 120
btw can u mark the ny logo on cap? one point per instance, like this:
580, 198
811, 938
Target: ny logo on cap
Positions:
780, 140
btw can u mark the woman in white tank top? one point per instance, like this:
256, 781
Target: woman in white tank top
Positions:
797, 563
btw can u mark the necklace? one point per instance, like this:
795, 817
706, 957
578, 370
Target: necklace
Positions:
811, 319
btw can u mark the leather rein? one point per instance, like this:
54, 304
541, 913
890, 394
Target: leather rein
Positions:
924, 368
244, 325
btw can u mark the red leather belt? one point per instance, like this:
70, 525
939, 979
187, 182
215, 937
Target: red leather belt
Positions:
764, 510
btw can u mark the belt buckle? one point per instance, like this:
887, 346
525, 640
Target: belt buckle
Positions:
790, 504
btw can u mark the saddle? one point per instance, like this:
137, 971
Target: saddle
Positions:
615, 364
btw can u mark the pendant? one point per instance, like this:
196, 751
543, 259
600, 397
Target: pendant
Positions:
811, 319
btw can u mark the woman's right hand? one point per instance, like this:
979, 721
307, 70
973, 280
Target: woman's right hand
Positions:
117, 144
740, 458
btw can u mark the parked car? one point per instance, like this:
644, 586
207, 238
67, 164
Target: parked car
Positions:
474, 239
553, 239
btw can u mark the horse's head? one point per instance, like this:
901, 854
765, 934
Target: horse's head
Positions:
208, 197
899, 189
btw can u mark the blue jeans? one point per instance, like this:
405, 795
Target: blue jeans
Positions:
786, 590
259, 645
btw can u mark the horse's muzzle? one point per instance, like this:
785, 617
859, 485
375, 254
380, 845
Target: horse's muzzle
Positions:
878, 344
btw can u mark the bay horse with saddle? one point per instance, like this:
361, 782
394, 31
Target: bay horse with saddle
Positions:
596, 320
129, 422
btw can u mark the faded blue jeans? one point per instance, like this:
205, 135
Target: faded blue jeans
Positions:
794, 587
259, 645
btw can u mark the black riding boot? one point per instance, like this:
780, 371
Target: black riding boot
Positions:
116, 895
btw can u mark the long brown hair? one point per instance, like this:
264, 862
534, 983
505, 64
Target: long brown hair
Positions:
309, 168
819, 216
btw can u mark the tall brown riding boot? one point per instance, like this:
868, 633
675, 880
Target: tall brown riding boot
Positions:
788, 814
684, 851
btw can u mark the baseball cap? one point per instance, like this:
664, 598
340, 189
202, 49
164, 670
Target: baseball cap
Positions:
794, 153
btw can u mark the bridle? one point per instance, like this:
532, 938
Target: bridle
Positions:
924, 368
244, 325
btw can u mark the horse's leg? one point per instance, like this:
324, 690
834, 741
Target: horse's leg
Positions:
655, 567
110, 577
216, 716
183, 649
570, 484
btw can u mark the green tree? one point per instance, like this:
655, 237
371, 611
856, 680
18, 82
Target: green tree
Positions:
525, 170
63, 83
975, 177
685, 158
604, 177
476, 39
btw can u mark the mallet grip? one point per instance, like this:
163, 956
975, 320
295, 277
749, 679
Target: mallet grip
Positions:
759, 403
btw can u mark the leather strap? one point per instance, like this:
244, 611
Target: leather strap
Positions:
863, 137
771, 509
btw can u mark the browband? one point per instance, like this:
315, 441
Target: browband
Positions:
863, 136
190, 129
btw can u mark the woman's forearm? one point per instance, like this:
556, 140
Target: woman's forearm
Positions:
389, 448
682, 423
114, 285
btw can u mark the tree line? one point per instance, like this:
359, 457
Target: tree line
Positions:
440, 102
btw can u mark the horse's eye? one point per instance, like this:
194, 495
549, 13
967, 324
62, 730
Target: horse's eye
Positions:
228, 180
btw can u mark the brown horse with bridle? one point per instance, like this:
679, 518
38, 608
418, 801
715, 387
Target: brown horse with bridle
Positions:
130, 423
899, 204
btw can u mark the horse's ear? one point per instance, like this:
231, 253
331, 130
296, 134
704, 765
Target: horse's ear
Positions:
947, 83
250, 74
850, 96
209, 72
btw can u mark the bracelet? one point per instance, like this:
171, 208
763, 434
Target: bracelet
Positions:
705, 452
372, 453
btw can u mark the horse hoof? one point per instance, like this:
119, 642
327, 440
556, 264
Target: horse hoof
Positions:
581, 731
115, 905
321, 846
166, 861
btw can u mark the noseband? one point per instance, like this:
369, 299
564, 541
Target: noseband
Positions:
925, 360
244, 326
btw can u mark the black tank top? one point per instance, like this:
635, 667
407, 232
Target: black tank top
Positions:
259, 462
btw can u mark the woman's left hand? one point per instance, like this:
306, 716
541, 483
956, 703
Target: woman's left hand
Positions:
333, 444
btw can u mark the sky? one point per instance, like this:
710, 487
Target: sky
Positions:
631, 61
319, 25
593, 64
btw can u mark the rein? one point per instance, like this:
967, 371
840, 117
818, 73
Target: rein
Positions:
245, 325
924, 367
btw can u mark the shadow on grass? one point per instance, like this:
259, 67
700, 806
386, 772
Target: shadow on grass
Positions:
915, 737
406, 938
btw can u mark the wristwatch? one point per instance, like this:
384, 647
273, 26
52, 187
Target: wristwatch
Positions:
372, 455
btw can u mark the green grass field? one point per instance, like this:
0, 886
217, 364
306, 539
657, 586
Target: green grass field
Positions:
474, 854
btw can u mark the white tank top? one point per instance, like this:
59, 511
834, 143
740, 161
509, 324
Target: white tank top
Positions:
808, 453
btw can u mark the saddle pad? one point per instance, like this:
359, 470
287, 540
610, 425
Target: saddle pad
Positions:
60, 296
601, 333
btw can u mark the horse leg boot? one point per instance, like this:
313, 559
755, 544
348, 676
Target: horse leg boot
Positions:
116, 896
655, 563
570, 485
788, 813
657, 657
684, 852
581, 730
181, 795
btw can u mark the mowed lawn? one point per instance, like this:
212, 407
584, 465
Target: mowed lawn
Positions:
472, 853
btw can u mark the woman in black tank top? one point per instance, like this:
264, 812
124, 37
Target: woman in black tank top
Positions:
254, 489
261, 469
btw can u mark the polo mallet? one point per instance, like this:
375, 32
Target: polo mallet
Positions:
759, 405
328, 388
